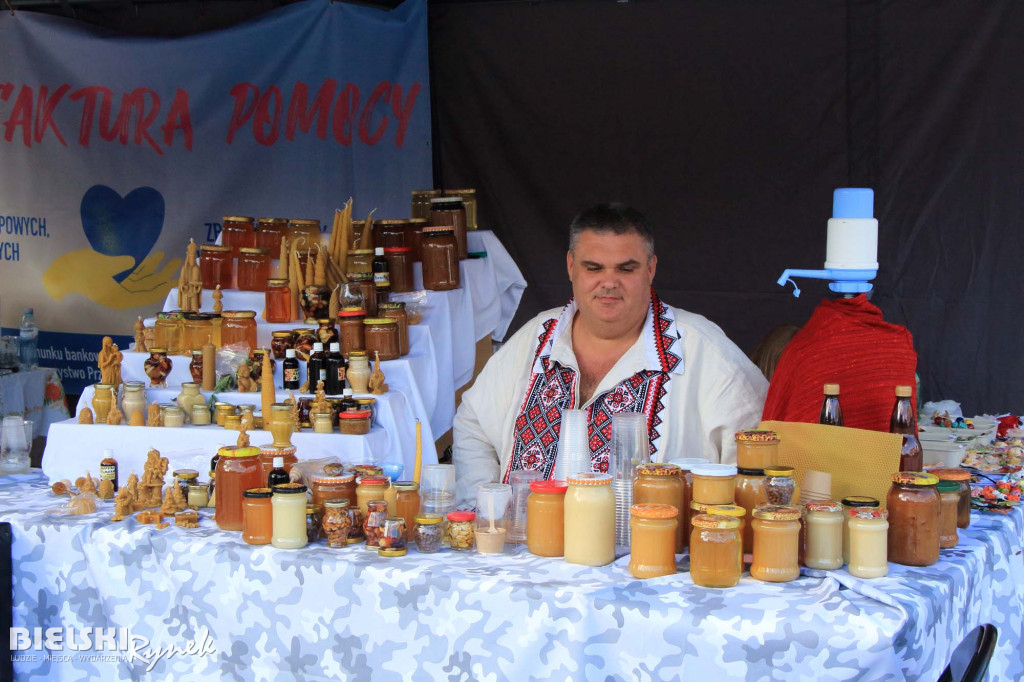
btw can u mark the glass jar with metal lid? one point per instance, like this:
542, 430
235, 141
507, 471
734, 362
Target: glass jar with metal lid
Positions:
407, 504
216, 266
168, 330
450, 211
183, 478
714, 483
824, 535
949, 499
373, 524
731, 510
278, 302
421, 202
257, 516
854, 502
389, 233
253, 269
238, 470
400, 268
756, 449
393, 538
776, 543
326, 488
381, 334
351, 330
869, 529
779, 485
962, 478
468, 197
661, 483
749, 494
288, 506
360, 261
300, 227
269, 232
237, 232
914, 515
414, 237
336, 522
590, 520
428, 533
715, 554
652, 540
364, 280
238, 328
197, 329
440, 259
280, 342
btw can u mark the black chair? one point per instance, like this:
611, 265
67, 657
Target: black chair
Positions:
6, 598
978, 665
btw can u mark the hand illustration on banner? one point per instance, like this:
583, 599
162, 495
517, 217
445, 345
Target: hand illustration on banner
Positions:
118, 271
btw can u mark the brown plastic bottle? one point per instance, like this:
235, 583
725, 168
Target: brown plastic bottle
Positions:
831, 412
904, 422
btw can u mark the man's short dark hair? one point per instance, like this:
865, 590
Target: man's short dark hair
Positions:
616, 218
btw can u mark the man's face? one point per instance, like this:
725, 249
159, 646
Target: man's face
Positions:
611, 277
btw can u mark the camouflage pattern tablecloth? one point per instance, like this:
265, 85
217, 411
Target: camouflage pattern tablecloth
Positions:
261, 613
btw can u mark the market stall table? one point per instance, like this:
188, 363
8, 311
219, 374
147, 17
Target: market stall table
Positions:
318, 613
37, 395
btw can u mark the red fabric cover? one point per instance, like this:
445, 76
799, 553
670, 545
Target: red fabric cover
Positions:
846, 341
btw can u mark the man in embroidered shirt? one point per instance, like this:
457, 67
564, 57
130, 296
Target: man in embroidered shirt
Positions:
615, 347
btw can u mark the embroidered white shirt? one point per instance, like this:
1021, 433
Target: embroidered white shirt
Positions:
712, 392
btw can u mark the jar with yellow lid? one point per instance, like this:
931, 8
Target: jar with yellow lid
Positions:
652, 540
238, 470
962, 478
779, 485
269, 232
733, 511
237, 232
914, 516
381, 334
824, 535
428, 533
854, 502
238, 328
715, 551
869, 530
756, 449
396, 312
301, 227
661, 483
714, 483
776, 543
590, 519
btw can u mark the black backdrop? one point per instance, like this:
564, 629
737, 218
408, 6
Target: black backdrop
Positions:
729, 123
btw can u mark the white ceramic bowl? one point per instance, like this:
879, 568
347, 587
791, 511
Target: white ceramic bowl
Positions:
947, 454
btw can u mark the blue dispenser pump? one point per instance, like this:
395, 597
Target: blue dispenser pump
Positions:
851, 252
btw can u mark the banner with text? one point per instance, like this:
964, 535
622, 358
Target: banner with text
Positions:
115, 150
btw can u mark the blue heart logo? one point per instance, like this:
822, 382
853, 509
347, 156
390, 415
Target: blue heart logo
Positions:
117, 226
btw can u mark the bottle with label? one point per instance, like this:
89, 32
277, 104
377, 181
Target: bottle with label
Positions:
347, 401
290, 370
336, 367
28, 337
904, 422
831, 412
277, 475
108, 468
381, 276
316, 367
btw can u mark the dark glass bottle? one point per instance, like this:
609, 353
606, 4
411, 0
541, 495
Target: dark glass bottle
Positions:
381, 276
348, 403
277, 475
316, 367
904, 422
831, 412
108, 468
336, 367
290, 370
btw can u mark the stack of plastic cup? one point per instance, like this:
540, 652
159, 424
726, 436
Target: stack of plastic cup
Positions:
520, 481
437, 492
573, 446
630, 447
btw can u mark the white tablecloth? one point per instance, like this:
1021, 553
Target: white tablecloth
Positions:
392, 440
35, 394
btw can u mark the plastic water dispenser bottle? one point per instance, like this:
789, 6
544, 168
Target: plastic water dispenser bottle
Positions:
28, 339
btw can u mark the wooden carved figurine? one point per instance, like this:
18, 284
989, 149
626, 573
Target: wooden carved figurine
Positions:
217, 298
115, 416
154, 415
173, 501
245, 381
190, 281
109, 362
376, 383
140, 336
85, 416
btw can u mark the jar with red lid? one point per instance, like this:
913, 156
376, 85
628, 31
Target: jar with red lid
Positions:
268, 234
278, 302
545, 518
354, 422
440, 259
399, 268
237, 232
253, 269
461, 534
238, 470
216, 266
364, 280
450, 211
351, 330
914, 516
381, 336
396, 311
238, 327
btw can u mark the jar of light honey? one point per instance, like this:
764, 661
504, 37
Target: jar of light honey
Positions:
238, 327
715, 551
776, 543
756, 449
545, 518
849, 503
652, 540
661, 484
714, 483
869, 531
590, 520
824, 535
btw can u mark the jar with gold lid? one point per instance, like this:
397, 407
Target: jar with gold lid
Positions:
301, 227
360, 261
914, 515
280, 342
237, 232
468, 197
779, 485
197, 329
652, 541
216, 266
238, 470
776, 543
336, 522
168, 331
715, 553
238, 328
381, 335
389, 233
756, 449
268, 234
421, 202
278, 301
440, 259
253, 269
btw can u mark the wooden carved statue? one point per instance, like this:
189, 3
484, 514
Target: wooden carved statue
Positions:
190, 281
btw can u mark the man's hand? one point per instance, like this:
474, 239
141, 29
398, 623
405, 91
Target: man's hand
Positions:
91, 274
